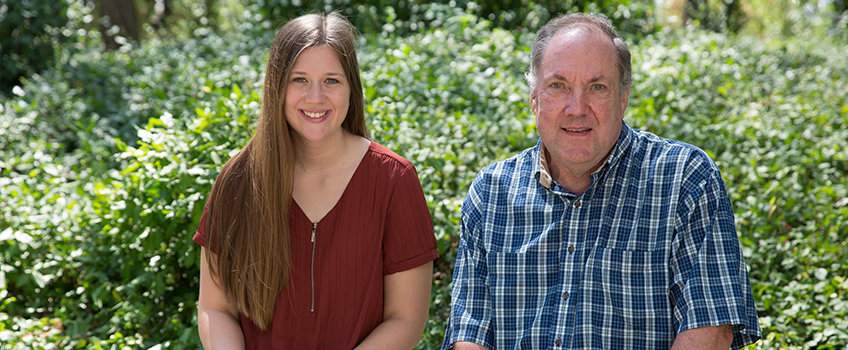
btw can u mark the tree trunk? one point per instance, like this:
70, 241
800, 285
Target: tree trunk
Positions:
212, 13
734, 15
121, 13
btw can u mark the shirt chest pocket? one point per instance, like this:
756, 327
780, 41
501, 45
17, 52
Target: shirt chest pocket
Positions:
633, 235
632, 286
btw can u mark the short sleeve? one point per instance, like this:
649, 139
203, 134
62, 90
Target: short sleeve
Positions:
200, 234
710, 279
408, 241
471, 314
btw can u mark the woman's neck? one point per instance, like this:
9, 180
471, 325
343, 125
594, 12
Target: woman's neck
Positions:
326, 154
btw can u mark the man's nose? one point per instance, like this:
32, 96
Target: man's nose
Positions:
577, 102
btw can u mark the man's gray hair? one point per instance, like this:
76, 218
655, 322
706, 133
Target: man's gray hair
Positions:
587, 20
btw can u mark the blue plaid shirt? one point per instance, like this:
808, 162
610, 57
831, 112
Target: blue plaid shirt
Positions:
647, 251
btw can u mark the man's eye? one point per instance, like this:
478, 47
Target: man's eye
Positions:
598, 87
557, 85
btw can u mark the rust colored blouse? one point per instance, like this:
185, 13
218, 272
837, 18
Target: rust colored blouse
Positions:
379, 226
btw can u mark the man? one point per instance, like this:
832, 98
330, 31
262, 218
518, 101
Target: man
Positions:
600, 236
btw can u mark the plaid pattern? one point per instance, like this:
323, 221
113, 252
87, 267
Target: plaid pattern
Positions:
647, 251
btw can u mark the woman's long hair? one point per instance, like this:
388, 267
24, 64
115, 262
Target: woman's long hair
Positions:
250, 201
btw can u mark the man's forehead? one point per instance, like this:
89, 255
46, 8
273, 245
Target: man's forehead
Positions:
573, 50
577, 29
580, 34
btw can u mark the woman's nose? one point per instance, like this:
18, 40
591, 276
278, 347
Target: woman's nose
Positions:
315, 93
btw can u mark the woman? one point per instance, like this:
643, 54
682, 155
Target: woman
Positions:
320, 238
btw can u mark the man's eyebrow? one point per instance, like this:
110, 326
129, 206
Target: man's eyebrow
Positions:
597, 78
559, 77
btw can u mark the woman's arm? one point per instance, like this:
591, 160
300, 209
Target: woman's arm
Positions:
406, 305
217, 320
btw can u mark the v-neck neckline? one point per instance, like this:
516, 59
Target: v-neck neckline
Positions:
344, 192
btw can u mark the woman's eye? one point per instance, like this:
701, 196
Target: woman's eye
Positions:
299, 80
332, 81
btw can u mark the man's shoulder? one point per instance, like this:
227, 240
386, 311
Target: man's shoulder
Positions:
657, 159
496, 182
646, 138
501, 177
521, 162
662, 149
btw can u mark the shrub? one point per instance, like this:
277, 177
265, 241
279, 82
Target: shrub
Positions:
28, 32
407, 17
74, 245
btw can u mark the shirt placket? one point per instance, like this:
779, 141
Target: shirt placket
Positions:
572, 227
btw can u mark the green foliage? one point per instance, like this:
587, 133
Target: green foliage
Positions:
154, 206
779, 19
402, 17
28, 31
94, 232
106, 160
719, 16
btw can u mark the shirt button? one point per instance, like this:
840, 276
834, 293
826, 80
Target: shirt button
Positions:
565, 296
571, 249
558, 342
577, 204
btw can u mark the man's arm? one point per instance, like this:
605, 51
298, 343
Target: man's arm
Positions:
704, 338
709, 269
464, 345
470, 318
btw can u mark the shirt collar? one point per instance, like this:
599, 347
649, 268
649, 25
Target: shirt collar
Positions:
544, 173
625, 140
621, 147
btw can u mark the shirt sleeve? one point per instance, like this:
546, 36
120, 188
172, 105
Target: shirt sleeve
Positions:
409, 241
710, 285
470, 318
200, 234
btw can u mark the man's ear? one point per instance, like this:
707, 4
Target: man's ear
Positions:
624, 98
533, 101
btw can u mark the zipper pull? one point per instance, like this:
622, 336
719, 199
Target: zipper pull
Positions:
314, 226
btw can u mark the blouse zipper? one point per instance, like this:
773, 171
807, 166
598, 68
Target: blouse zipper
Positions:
312, 267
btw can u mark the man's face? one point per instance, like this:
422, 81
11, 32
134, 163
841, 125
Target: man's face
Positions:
577, 101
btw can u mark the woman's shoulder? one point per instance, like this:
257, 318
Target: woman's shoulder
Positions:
385, 157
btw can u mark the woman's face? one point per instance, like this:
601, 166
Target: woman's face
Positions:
317, 95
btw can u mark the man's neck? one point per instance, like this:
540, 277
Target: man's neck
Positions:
576, 183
